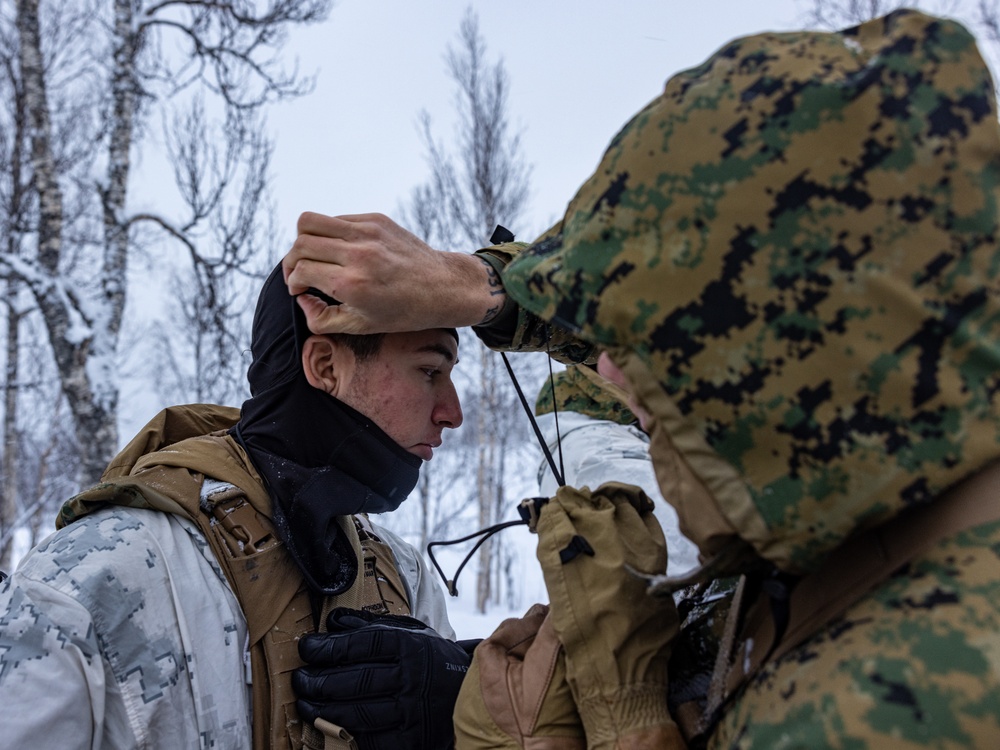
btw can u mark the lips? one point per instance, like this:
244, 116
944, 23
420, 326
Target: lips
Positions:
423, 450
426, 450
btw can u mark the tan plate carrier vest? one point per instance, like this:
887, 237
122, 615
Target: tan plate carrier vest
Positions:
245, 545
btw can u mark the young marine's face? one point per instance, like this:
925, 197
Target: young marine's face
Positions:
406, 389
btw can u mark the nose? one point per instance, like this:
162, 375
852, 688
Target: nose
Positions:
448, 409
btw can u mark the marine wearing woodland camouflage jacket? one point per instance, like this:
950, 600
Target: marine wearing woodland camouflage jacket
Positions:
792, 254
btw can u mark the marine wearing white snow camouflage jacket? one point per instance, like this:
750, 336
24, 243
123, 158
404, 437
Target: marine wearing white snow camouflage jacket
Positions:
120, 631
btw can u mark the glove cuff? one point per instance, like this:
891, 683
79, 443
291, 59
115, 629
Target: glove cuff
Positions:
609, 716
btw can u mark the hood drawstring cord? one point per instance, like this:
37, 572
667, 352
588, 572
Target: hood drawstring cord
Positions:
528, 509
451, 583
556, 471
500, 234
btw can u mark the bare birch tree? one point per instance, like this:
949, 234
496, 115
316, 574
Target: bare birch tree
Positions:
93, 74
483, 182
213, 299
36, 453
14, 198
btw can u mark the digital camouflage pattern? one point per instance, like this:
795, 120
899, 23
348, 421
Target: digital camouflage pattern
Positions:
913, 665
96, 652
797, 242
792, 254
530, 333
580, 389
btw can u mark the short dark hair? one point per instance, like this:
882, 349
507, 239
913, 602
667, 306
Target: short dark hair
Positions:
364, 346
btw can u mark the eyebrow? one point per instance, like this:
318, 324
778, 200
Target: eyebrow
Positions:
441, 349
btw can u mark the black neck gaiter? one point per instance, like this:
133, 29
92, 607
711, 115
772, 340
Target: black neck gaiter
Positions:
319, 458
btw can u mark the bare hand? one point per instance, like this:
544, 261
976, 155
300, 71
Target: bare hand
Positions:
385, 278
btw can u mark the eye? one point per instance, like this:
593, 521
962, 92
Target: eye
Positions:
430, 372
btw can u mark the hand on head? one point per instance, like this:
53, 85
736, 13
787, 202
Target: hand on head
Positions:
385, 278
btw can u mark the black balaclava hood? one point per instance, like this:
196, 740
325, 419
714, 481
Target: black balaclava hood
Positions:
319, 458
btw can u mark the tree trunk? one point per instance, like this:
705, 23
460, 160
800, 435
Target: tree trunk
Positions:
81, 363
15, 224
8, 512
40, 126
487, 473
123, 93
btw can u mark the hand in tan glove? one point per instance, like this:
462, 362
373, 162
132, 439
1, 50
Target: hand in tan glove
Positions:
515, 694
616, 637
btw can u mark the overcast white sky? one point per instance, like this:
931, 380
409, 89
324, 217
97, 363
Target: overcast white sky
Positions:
578, 70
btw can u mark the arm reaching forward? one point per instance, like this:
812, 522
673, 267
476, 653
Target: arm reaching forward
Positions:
385, 278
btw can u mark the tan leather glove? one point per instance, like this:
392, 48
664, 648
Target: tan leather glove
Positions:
515, 694
616, 637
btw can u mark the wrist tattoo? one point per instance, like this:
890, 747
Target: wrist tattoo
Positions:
490, 315
496, 290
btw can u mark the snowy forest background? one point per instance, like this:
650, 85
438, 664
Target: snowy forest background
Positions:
90, 87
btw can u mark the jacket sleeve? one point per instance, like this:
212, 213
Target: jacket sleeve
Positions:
119, 632
596, 451
427, 602
517, 330
52, 680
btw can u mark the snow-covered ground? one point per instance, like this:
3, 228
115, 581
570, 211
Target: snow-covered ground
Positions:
471, 624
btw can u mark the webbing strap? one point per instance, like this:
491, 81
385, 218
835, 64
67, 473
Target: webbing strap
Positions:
327, 736
277, 608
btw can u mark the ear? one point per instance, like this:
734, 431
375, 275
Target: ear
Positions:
324, 363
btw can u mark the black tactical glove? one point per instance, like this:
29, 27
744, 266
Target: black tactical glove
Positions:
390, 681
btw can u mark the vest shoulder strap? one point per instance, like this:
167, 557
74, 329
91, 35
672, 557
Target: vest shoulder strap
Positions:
277, 605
